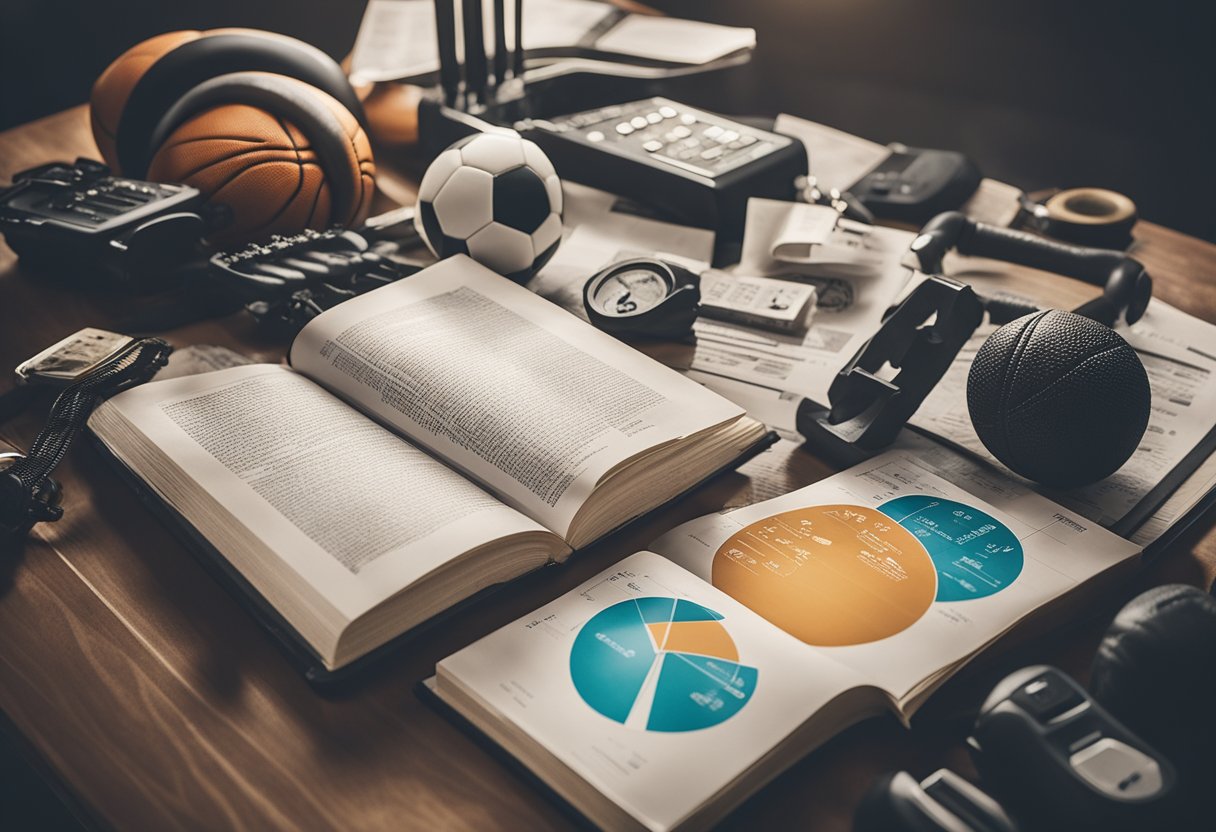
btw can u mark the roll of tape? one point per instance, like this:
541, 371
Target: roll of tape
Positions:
1087, 216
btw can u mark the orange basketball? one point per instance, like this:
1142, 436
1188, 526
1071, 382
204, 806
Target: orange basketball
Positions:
263, 170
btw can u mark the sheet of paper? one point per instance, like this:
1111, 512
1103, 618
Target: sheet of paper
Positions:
651, 685
850, 307
1182, 375
837, 159
397, 37
674, 40
893, 569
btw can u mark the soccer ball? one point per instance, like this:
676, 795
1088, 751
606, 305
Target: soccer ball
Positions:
496, 198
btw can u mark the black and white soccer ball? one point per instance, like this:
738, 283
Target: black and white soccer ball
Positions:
496, 198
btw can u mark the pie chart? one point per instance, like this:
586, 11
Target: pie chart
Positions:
830, 575
660, 664
976, 555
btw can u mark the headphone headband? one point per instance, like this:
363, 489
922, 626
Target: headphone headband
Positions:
286, 100
196, 61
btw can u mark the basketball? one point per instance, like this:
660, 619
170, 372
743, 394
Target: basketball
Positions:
262, 172
265, 126
1060, 399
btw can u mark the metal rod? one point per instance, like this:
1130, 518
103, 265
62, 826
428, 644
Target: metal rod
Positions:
449, 68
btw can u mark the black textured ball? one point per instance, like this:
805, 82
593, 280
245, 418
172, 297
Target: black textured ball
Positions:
1061, 399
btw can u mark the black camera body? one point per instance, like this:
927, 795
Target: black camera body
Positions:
79, 222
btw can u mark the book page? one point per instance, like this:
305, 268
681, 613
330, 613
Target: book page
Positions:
351, 508
892, 569
650, 684
527, 399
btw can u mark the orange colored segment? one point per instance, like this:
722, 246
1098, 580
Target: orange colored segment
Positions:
707, 638
659, 633
829, 575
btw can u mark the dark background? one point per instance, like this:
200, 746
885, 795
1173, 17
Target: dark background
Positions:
1040, 93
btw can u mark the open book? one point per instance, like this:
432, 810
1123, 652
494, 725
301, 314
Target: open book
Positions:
431, 438
664, 691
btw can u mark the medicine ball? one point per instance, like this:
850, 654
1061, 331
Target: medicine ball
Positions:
1059, 398
266, 126
1155, 670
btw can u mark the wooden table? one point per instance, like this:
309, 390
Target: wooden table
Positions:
161, 705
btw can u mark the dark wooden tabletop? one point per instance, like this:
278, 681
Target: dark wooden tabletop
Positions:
161, 705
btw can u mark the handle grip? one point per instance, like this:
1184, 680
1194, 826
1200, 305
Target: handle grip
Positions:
1093, 265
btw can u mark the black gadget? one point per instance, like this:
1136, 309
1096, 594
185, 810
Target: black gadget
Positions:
942, 802
290, 279
913, 184
81, 221
1058, 760
923, 334
1155, 671
699, 167
644, 298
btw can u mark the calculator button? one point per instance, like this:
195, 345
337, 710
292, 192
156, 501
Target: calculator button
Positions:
712, 132
595, 136
624, 128
638, 122
688, 118
653, 146
653, 118
728, 136
746, 140
711, 154
668, 112
681, 132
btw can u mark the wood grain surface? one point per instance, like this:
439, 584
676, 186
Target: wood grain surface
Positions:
162, 705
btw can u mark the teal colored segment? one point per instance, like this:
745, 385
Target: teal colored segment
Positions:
610, 659
695, 693
656, 610
688, 611
975, 554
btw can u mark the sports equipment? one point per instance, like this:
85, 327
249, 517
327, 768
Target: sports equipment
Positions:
265, 126
1156, 671
496, 198
1059, 398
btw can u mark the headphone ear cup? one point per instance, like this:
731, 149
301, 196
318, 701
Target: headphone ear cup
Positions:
1155, 671
278, 154
113, 87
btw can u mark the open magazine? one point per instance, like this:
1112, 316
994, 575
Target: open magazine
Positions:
664, 691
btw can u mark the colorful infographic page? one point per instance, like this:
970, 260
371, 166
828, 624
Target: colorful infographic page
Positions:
653, 686
896, 570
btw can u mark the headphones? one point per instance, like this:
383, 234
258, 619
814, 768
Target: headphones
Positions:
267, 127
1134, 753
1034, 385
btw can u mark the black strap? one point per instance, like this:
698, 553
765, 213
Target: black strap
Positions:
28, 495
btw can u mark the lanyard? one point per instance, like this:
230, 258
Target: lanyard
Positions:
28, 494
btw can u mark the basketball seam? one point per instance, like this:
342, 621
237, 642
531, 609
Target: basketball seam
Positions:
362, 188
219, 138
299, 180
1037, 397
235, 154
1023, 340
228, 181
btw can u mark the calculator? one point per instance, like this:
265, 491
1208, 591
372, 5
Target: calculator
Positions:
697, 167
